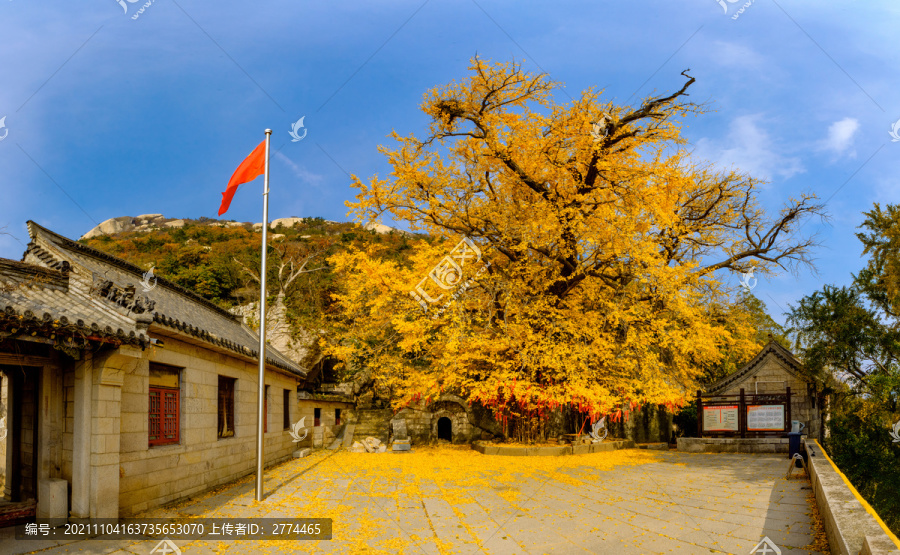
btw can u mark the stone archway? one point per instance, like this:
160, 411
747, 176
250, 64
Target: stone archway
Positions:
445, 429
452, 419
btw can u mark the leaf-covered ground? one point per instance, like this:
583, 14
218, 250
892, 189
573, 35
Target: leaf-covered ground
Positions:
438, 500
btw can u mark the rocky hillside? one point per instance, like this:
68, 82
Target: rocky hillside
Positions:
219, 260
151, 222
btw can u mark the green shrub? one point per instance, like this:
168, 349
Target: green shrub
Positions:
863, 450
686, 420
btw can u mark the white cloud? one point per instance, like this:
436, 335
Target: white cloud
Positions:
748, 148
734, 55
301, 172
840, 137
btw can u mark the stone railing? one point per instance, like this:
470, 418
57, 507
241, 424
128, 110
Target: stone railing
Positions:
852, 526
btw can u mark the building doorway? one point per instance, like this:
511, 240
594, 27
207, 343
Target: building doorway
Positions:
445, 429
21, 431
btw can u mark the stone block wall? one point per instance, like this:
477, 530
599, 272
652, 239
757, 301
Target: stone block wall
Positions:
487, 448
153, 476
733, 445
422, 421
418, 424
324, 434
306, 407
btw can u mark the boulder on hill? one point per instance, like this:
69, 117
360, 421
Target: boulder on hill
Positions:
148, 222
382, 229
110, 226
147, 218
286, 222
123, 224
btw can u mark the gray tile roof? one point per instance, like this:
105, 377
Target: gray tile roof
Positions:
772, 348
35, 300
105, 288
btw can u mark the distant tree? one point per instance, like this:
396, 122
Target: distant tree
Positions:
852, 334
849, 339
839, 334
746, 318
762, 322
880, 279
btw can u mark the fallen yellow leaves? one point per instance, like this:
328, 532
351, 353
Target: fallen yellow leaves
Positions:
820, 540
394, 503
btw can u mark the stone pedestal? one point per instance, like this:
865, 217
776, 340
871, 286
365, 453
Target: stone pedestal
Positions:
300, 453
401, 445
53, 496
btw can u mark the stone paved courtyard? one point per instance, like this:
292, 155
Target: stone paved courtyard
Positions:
452, 501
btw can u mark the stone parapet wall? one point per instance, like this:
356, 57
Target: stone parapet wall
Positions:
487, 448
733, 445
852, 526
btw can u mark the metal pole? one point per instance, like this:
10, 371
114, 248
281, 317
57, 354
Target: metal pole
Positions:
699, 413
788, 423
260, 440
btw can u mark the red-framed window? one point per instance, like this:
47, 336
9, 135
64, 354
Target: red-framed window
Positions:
337, 417
164, 413
317, 417
165, 406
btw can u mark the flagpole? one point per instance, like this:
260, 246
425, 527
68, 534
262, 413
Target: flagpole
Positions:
260, 399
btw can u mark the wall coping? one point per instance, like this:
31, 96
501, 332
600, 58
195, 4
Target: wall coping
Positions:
487, 448
747, 440
851, 524
733, 445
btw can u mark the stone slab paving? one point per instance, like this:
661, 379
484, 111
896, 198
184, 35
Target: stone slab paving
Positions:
450, 501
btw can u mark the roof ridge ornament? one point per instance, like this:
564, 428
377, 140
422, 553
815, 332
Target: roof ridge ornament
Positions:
124, 297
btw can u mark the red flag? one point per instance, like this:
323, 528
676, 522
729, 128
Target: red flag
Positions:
252, 167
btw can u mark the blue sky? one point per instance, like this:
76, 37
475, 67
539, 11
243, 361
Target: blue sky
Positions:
110, 115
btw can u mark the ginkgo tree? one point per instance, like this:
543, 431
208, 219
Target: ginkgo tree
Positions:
591, 254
